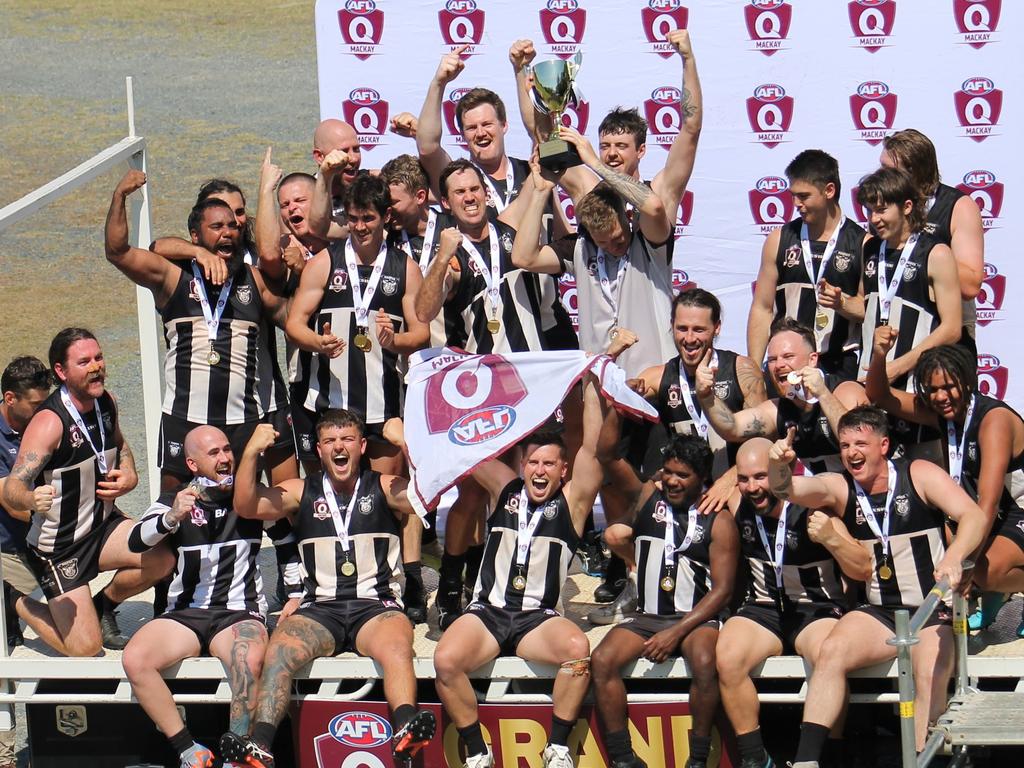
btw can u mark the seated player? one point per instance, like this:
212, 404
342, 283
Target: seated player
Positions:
206, 612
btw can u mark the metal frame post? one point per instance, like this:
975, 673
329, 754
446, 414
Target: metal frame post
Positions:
903, 642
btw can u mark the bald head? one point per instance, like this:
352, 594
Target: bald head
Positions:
754, 453
208, 453
334, 134
201, 439
752, 474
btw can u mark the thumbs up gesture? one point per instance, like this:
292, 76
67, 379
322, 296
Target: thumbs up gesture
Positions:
330, 345
705, 377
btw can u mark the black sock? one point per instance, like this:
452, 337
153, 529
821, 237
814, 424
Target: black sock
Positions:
181, 741
619, 745
263, 734
473, 738
812, 742
750, 745
700, 747
560, 730
451, 567
402, 715
616, 569
414, 572
103, 603
473, 557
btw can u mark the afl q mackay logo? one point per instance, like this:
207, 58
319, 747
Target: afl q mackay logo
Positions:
363, 731
873, 108
562, 24
663, 115
362, 25
978, 104
872, 22
577, 116
473, 399
770, 111
976, 20
768, 24
684, 214
992, 376
989, 300
681, 281
449, 108
462, 23
770, 203
986, 192
659, 18
368, 114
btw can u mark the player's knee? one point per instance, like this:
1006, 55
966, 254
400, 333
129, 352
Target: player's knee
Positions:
834, 654
702, 663
135, 662
447, 663
579, 667
576, 646
83, 644
730, 661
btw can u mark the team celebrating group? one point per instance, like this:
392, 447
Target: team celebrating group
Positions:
784, 506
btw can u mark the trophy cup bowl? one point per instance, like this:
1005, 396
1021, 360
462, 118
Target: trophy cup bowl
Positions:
553, 88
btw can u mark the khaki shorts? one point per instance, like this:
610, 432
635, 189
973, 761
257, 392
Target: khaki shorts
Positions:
17, 573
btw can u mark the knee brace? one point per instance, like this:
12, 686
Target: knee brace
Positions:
575, 667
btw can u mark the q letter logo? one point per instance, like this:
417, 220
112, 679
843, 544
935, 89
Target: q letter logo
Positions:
873, 108
563, 23
770, 203
461, 23
872, 21
986, 192
768, 24
368, 114
770, 111
659, 18
978, 104
362, 25
976, 20
663, 115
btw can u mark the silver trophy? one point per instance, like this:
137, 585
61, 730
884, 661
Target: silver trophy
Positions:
553, 91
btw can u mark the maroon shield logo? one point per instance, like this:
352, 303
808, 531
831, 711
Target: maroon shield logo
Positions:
448, 108
986, 192
990, 299
768, 24
663, 116
365, 111
681, 281
461, 22
976, 20
978, 104
770, 201
659, 18
873, 108
577, 116
992, 376
859, 211
871, 22
563, 23
570, 298
567, 205
362, 25
684, 214
466, 386
770, 112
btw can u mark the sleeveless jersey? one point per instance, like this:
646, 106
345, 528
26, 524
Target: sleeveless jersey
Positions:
228, 392
672, 406
913, 312
796, 292
414, 247
273, 388
916, 542
814, 444
374, 544
520, 172
939, 225
74, 472
691, 568
810, 575
552, 547
366, 383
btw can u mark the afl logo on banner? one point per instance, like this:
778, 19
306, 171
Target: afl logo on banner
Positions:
770, 112
681, 281
872, 22
986, 192
684, 214
659, 18
366, 112
468, 387
462, 23
978, 104
992, 376
362, 25
976, 20
771, 205
989, 300
873, 108
768, 24
448, 108
562, 24
663, 115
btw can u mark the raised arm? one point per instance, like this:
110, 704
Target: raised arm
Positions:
428, 130
825, 491
520, 55
215, 269
902, 405
758, 421
321, 206
267, 230
968, 246
161, 520
441, 279
527, 252
751, 381
253, 499
762, 309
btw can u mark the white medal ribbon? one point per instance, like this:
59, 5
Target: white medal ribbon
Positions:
204, 482
527, 527
830, 246
340, 523
887, 290
882, 532
500, 203
777, 551
611, 292
428, 241
955, 447
492, 274
670, 534
212, 317
700, 421
101, 456
361, 301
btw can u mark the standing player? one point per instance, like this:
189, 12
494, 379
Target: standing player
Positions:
214, 601
811, 269
72, 464
338, 155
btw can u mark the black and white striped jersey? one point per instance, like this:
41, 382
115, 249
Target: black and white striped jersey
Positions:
374, 545
215, 552
423, 254
809, 572
551, 549
366, 383
286, 553
73, 471
914, 313
796, 292
1013, 483
689, 575
228, 391
273, 388
814, 444
916, 543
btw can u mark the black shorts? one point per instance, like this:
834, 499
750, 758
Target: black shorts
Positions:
789, 623
647, 625
171, 447
942, 616
1011, 527
60, 572
510, 627
207, 623
281, 420
304, 423
344, 618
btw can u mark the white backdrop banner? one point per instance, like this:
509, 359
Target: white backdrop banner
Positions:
778, 77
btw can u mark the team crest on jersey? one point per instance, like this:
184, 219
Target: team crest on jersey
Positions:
869, 269
910, 272
307, 442
75, 436
474, 267
506, 242
823, 425
792, 539
592, 267
320, 509
792, 256
698, 534
550, 510
722, 389
748, 532
842, 260
174, 448
674, 396
1020, 526
512, 505
366, 504
339, 280
660, 512
198, 516
389, 285
902, 505
972, 451
69, 568
193, 290
244, 294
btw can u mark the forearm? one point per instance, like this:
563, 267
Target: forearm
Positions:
18, 495
428, 128
780, 479
20, 513
151, 529
267, 230
876, 385
321, 208
526, 111
853, 559
758, 323
302, 336
174, 248
115, 232
638, 194
408, 342
432, 292
832, 408
852, 308
246, 495
713, 603
721, 419
945, 333
526, 246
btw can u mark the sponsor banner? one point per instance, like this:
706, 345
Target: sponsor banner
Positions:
976, 21
872, 22
768, 24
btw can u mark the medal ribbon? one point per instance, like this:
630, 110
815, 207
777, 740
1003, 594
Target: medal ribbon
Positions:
428, 241
830, 246
778, 551
212, 317
956, 447
340, 523
611, 292
670, 535
492, 275
869, 514
500, 203
101, 456
700, 421
361, 301
526, 528
886, 290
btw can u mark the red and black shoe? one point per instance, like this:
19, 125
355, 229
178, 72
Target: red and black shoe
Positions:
242, 749
413, 736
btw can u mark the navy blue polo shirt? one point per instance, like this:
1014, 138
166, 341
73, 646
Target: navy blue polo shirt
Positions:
12, 532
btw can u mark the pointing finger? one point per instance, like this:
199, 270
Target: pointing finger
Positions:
790, 436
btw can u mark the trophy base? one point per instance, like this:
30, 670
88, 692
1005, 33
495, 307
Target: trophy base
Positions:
558, 154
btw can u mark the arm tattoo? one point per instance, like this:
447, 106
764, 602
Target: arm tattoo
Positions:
629, 189
28, 467
780, 479
756, 428
296, 642
685, 105
240, 675
127, 457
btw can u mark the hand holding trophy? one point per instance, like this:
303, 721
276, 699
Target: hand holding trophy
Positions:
552, 92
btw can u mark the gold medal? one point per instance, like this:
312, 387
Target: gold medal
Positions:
519, 582
821, 319
348, 568
212, 357
884, 572
494, 325
363, 343
668, 584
